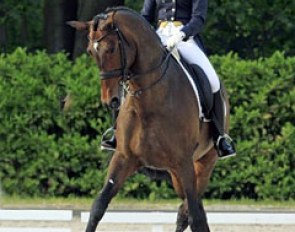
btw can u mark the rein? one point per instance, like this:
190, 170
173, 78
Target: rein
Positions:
138, 92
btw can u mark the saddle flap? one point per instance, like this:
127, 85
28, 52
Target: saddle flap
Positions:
204, 88
200, 84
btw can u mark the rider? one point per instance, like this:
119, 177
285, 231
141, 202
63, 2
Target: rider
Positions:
179, 24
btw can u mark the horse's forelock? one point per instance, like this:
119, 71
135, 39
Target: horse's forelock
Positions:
95, 24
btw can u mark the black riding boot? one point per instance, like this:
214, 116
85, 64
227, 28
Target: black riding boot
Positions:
223, 142
108, 140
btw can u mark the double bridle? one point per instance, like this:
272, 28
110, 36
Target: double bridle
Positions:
124, 73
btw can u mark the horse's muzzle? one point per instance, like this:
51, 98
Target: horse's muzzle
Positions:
114, 104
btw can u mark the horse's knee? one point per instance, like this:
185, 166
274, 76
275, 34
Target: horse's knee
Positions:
101, 202
119, 170
107, 192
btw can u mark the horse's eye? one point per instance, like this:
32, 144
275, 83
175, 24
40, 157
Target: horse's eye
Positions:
110, 48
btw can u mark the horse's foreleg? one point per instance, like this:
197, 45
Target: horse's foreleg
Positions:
120, 169
197, 217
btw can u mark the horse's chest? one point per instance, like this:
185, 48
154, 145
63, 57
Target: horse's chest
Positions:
152, 149
150, 138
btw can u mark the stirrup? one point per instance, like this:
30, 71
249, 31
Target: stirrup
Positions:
228, 139
111, 131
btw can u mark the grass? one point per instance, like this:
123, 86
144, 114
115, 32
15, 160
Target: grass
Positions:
129, 204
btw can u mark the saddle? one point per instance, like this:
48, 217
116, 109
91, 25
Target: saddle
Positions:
203, 85
200, 81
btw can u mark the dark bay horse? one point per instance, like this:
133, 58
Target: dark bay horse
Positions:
158, 124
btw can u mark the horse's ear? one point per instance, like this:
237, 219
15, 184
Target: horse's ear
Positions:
79, 25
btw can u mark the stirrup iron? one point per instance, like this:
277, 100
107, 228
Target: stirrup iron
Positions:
110, 131
230, 141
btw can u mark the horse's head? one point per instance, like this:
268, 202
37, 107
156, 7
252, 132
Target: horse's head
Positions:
122, 43
112, 51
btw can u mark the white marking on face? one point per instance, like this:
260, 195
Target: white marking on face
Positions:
111, 181
95, 46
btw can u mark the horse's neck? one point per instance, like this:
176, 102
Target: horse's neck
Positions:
149, 56
149, 69
171, 88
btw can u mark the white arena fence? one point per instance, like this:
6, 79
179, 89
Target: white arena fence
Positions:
156, 219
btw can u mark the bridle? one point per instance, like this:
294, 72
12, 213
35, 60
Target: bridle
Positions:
123, 70
124, 73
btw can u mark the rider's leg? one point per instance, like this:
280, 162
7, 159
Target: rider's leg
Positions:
111, 143
194, 55
223, 142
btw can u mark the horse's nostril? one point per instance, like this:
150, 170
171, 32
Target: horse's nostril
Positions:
115, 103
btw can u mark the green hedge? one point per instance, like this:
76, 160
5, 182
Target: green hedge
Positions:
46, 152
262, 95
43, 150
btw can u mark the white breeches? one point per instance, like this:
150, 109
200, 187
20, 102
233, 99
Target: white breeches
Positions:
192, 54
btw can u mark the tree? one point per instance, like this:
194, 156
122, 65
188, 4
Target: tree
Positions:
57, 35
2, 38
20, 24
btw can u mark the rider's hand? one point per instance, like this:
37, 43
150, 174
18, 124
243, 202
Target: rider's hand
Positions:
175, 39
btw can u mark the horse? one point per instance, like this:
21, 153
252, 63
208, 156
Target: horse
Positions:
158, 125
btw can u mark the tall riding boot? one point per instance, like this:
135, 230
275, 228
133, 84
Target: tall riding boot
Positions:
111, 143
223, 142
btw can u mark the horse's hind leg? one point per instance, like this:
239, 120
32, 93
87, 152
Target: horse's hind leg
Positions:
182, 217
203, 169
197, 217
120, 168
